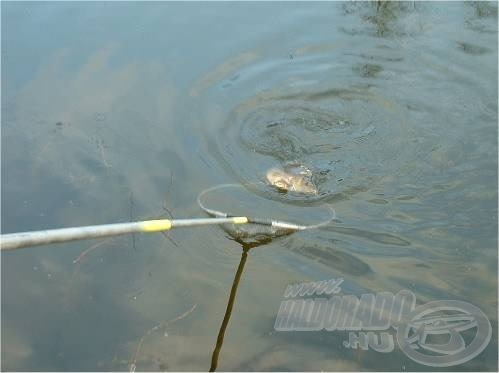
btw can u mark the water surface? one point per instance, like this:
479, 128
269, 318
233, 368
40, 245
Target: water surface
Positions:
120, 111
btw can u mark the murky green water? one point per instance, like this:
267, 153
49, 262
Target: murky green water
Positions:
112, 112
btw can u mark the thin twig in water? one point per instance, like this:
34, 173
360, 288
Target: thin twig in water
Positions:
169, 238
131, 218
168, 211
166, 196
165, 208
100, 145
91, 248
133, 364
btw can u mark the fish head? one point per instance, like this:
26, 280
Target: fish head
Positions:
287, 181
279, 178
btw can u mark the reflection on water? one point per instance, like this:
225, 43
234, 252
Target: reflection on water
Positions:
113, 112
232, 297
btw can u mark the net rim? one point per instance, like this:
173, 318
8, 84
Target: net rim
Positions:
257, 220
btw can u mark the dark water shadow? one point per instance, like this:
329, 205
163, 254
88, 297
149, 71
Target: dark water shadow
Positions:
377, 237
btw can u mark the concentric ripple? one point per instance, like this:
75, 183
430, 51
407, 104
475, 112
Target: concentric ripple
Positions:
347, 137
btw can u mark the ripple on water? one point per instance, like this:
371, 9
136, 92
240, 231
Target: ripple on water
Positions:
348, 137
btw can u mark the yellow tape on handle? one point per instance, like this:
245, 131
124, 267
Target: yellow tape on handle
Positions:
156, 225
